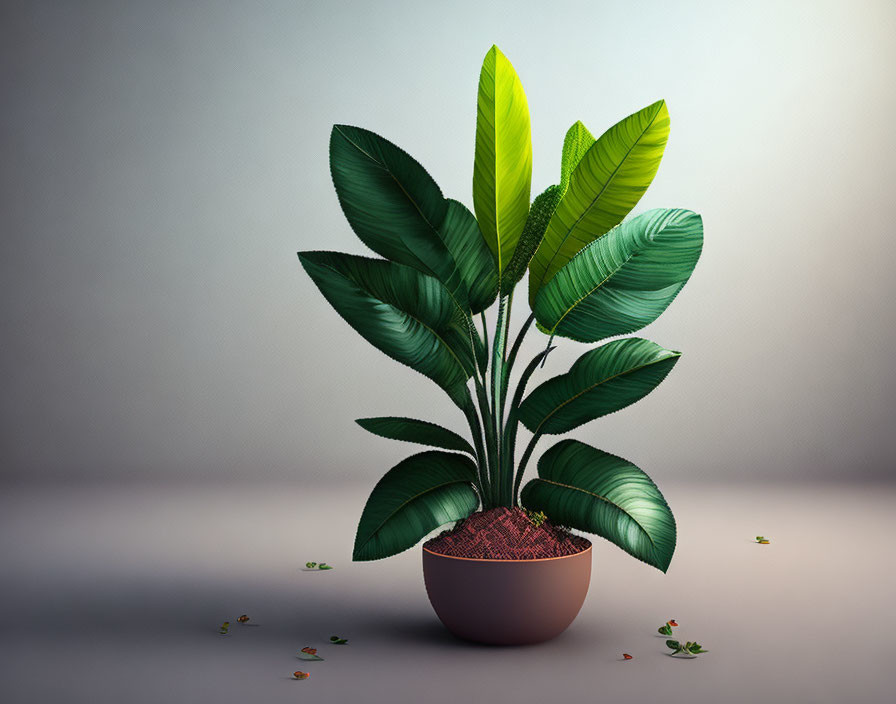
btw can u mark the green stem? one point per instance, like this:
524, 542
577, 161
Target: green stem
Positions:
469, 410
488, 427
519, 340
522, 468
497, 398
513, 422
485, 334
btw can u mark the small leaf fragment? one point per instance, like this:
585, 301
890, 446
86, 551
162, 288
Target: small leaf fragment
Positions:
626, 656
299, 675
664, 630
672, 622
308, 653
336, 640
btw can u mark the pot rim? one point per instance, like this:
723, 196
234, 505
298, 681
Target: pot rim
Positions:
492, 559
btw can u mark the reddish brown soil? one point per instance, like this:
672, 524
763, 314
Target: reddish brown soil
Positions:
505, 534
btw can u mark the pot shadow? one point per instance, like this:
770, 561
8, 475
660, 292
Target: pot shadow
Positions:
427, 631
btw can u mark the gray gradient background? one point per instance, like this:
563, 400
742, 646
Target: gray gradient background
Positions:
163, 162
176, 434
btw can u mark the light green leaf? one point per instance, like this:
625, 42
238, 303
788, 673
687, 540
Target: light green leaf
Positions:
460, 232
393, 204
623, 280
602, 381
606, 184
419, 431
536, 223
406, 314
502, 168
577, 142
416, 496
591, 490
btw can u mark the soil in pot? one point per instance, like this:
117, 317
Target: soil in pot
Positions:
506, 534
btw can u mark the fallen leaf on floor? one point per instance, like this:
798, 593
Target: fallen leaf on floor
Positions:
225, 627
336, 640
626, 656
299, 675
308, 653
672, 622
243, 618
316, 567
762, 540
665, 629
690, 648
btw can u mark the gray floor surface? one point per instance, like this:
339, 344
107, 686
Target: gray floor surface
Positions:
114, 593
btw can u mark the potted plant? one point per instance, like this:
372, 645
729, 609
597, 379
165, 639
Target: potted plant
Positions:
511, 571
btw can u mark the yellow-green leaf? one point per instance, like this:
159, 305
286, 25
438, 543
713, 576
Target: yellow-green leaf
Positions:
606, 184
502, 168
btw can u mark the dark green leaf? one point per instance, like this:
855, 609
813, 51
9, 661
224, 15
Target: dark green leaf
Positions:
416, 496
393, 204
591, 490
601, 381
412, 430
623, 280
404, 313
674, 644
465, 242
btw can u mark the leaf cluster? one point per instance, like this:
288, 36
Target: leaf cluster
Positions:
593, 274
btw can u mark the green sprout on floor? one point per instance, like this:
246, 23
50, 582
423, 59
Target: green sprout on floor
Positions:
666, 628
689, 648
315, 565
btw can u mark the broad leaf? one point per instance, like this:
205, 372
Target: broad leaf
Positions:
606, 184
393, 204
576, 144
623, 280
502, 168
602, 381
536, 223
414, 497
406, 314
413, 430
461, 235
591, 490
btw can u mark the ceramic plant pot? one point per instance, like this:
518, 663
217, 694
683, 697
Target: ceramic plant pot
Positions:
507, 602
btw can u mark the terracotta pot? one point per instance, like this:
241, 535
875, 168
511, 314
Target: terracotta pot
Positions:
507, 602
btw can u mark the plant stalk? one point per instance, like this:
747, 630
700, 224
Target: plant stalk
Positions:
497, 399
476, 430
490, 442
522, 468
